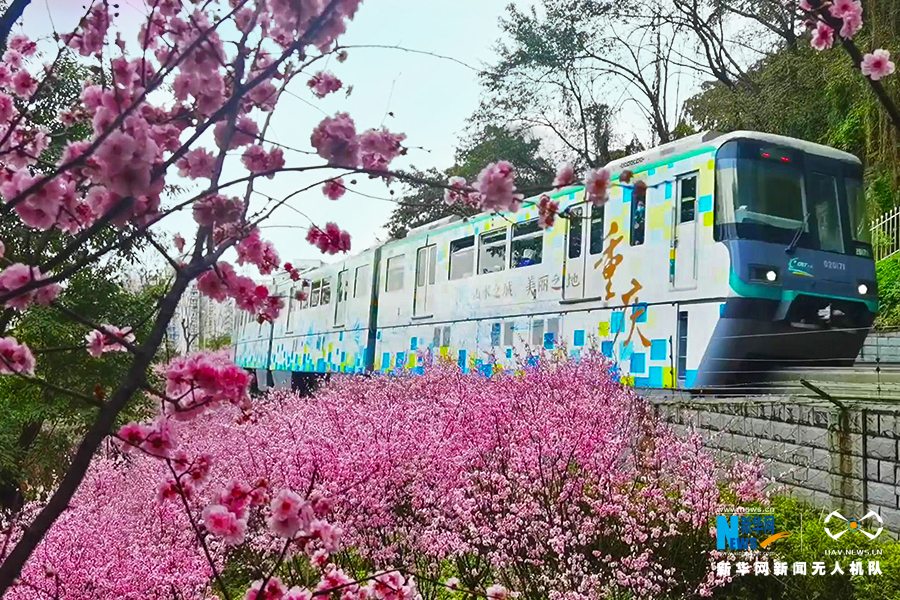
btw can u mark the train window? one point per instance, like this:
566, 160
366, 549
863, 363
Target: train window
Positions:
553, 327
361, 281
508, 333
436, 341
462, 257
394, 277
596, 240
688, 199
824, 194
316, 291
326, 291
306, 292
495, 335
859, 218
290, 307
527, 244
575, 227
446, 340
492, 255
638, 214
537, 333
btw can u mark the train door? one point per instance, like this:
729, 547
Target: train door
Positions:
684, 238
340, 305
682, 348
426, 263
575, 260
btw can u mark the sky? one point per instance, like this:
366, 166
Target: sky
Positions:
430, 99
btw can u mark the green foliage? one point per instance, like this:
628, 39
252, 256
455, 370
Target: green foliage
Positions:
789, 514
888, 273
39, 424
217, 343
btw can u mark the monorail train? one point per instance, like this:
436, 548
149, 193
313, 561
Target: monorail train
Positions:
745, 252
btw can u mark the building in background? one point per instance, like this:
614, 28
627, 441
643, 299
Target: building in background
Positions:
201, 323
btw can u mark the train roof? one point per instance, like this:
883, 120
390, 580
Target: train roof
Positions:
715, 140
655, 155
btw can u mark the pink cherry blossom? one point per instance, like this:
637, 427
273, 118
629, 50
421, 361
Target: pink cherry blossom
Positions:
547, 211
331, 240
221, 522
199, 162
455, 194
100, 342
22, 44
15, 357
852, 24
257, 160
275, 590
378, 147
877, 64
7, 108
335, 140
19, 275
13, 58
840, 8
323, 83
565, 176
24, 85
218, 210
245, 132
132, 435
497, 592
334, 189
257, 251
497, 187
823, 37
89, 40
179, 242
596, 186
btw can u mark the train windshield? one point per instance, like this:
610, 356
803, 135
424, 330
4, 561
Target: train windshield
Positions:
785, 196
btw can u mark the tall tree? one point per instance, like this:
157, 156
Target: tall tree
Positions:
567, 66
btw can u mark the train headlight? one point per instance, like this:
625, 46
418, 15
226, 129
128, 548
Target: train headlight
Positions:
866, 287
764, 274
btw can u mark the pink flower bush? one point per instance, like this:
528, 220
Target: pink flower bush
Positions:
530, 470
877, 65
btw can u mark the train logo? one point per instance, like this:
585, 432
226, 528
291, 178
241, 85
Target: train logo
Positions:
800, 267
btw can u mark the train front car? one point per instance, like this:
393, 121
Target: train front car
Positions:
803, 291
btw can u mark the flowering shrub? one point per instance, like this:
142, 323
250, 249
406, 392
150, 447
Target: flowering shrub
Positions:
554, 481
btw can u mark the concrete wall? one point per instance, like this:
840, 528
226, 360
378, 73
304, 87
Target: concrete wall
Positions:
837, 459
882, 346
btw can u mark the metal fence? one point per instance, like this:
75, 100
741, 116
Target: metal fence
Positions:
886, 234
